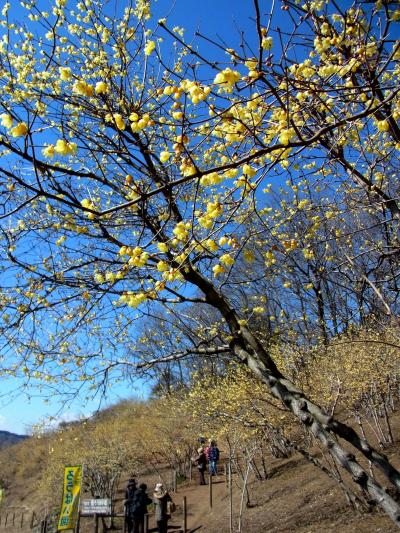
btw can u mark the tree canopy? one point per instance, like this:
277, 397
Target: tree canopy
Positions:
229, 195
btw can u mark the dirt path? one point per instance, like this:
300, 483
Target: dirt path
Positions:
197, 504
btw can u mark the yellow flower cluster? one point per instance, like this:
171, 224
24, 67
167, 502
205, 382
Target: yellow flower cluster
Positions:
137, 256
181, 230
82, 88
162, 266
139, 123
65, 73
195, 91
116, 119
19, 130
226, 259
267, 43
101, 87
149, 47
218, 269
88, 204
133, 299
173, 274
162, 247
164, 156
227, 79
211, 179
213, 211
6, 120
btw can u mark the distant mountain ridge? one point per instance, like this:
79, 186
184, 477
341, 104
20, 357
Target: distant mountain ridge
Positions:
7, 438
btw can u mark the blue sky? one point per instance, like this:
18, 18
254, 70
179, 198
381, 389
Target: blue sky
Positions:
18, 411
214, 18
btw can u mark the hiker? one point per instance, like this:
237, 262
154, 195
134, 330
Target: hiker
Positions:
139, 508
129, 496
160, 501
212, 456
201, 462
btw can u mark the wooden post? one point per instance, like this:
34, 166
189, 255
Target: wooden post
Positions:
96, 523
13, 518
184, 523
22, 520
230, 497
32, 519
146, 523
210, 484
78, 522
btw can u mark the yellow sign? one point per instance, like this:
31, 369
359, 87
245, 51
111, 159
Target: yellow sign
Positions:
70, 500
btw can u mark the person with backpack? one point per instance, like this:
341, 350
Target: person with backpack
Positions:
128, 503
213, 457
200, 461
139, 508
161, 499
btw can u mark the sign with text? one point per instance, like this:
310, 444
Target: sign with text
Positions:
70, 499
98, 506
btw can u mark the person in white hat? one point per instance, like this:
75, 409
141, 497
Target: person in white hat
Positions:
160, 501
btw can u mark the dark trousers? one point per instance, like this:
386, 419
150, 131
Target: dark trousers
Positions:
202, 481
129, 524
138, 524
162, 525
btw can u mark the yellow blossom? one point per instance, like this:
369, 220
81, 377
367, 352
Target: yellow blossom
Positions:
65, 73
64, 147
163, 247
227, 259
82, 88
164, 156
19, 130
149, 47
48, 151
6, 120
101, 87
218, 269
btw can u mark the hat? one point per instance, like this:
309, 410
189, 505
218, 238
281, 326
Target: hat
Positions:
159, 491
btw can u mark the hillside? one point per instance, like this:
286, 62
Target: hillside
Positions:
8, 439
295, 497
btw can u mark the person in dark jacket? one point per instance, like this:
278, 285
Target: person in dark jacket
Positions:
213, 456
201, 462
129, 496
139, 508
160, 500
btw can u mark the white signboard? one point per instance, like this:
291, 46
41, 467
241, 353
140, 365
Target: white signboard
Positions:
96, 506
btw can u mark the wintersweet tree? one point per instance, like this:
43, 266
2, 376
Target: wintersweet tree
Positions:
131, 161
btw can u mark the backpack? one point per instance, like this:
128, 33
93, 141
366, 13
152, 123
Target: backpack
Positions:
171, 507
